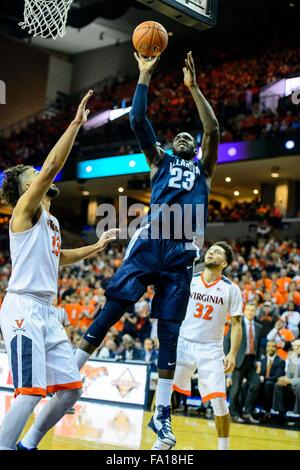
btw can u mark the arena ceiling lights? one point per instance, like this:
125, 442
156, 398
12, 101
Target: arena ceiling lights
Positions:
103, 118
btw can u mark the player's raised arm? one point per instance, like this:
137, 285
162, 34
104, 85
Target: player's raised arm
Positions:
211, 137
78, 254
139, 122
30, 201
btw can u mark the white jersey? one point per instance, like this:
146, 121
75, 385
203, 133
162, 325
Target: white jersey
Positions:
208, 307
35, 259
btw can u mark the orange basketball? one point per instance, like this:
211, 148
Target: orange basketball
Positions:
150, 38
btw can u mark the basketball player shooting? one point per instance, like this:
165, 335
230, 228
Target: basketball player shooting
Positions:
200, 344
165, 261
40, 356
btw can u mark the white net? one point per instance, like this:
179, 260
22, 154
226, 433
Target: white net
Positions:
46, 18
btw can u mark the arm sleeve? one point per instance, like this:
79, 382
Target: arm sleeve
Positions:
139, 122
236, 302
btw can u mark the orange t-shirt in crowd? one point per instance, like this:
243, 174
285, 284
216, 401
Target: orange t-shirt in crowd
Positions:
278, 298
119, 325
287, 336
267, 283
73, 311
93, 303
283, 283
296, 298
254, 263
85, 322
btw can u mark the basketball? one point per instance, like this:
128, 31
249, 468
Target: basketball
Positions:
150, 38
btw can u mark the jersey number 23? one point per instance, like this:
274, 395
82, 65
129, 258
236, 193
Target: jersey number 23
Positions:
182, 179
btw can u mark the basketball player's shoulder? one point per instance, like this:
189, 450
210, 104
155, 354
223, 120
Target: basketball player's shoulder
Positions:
197, 275
226, 280
166, 156
233, 288
195, 280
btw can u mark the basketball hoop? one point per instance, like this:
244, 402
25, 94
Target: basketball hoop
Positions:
46, 18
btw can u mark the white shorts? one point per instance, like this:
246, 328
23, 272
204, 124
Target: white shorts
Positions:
207, 358
40, 355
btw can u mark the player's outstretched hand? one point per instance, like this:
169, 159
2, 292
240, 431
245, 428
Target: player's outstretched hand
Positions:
82, 112
229, 363
107, 237
189, 71
147, 64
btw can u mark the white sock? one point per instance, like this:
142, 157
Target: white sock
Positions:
81, 357
32, 438
223, 443
164, 392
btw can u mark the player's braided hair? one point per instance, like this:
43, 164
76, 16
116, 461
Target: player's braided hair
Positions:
229, 253
10, 190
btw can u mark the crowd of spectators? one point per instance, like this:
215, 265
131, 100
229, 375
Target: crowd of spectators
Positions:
240, 211
224, 79
267, 272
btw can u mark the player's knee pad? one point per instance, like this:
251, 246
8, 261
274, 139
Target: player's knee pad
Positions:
220, 406
111, 313
168, 332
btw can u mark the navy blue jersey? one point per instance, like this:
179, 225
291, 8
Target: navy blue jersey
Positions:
183, 183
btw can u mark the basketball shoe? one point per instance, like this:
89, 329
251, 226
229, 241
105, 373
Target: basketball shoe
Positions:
160, 423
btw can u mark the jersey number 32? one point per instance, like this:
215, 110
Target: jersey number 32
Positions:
204, 311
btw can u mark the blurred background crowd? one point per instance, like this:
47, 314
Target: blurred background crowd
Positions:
268, 274
231, 81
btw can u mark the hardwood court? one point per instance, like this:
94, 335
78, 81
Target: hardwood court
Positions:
100, 426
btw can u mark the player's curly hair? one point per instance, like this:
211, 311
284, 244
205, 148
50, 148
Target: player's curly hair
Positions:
229, 253
10, 189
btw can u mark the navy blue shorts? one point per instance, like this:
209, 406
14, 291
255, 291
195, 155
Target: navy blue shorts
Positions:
167, 264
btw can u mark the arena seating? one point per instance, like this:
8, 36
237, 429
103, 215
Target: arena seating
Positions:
267, 272
223, 79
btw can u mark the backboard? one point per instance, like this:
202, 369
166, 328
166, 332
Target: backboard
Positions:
200, 14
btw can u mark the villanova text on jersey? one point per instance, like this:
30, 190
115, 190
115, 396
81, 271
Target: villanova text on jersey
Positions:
179, 200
